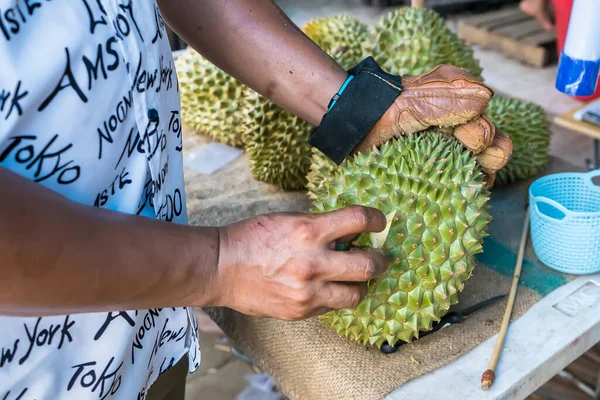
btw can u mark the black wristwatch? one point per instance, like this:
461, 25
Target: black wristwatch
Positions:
358, 105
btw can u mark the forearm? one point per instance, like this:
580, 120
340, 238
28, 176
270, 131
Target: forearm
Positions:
254, 41
61, 257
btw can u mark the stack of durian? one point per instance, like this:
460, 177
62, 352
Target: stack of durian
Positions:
428, 184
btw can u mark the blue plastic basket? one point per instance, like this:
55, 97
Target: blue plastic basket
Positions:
565, 222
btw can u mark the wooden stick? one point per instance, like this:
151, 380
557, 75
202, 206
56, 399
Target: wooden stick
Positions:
487, 379
418, 3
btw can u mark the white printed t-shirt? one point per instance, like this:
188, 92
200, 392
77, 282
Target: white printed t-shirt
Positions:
89, 108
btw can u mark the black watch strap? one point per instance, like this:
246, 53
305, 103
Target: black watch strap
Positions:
364, 100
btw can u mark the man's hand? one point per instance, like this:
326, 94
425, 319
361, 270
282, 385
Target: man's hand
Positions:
540, 9
450, 98
254, 41
285, 265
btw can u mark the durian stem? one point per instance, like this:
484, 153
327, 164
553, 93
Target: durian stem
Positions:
418, 3
487, 379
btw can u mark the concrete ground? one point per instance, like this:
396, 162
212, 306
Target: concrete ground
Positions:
221, 375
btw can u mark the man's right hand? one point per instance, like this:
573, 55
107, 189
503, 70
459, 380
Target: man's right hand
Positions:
285, 265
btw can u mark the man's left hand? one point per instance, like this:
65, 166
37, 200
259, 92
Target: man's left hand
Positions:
450, 98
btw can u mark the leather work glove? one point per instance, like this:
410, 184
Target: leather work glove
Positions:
450, 98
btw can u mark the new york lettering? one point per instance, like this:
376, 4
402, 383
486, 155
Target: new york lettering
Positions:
20, 395
120, 180
165, 336
88, 377
11, 101
48, 163
44, 336
171, 207
7, 354
144, 80
175, 127
14, 18
111, 124
148, 324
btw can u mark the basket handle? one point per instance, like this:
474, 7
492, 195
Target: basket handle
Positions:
552, 203
591, 175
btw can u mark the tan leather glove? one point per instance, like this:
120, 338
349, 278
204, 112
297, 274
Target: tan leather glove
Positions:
450, 98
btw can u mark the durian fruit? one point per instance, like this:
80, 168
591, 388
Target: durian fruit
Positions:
340, 36
276, 144
528, 127
431, 190
415, 40
212, 101
320, 168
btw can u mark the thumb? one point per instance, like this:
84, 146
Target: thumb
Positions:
349, 221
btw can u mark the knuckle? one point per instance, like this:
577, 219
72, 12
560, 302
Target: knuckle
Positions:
297, 313
356, 298
360, 215
305, 271
370, 268
306, 230
304, 297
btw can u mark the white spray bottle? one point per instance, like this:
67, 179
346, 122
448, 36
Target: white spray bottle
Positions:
579, 65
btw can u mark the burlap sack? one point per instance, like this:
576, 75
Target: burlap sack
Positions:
310, 362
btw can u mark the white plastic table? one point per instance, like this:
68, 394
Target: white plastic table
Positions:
543, 341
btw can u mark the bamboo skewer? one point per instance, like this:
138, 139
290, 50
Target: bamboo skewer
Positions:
418, 3
487, 379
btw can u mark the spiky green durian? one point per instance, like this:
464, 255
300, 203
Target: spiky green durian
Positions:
212, 101
415, 40
276, 144
431, 189
320, 168
528, 127
340, 36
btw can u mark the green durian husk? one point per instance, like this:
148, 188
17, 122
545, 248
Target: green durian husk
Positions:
212, 101
276, 144
415, 40
340, 36
528, 127
320, 168
432, 188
